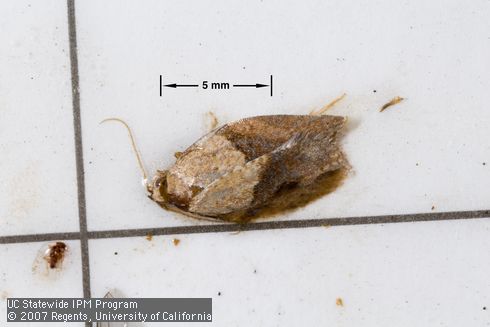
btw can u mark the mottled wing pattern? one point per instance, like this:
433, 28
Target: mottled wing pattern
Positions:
232, 192
259, 135
300, 160
200, 165
243, 163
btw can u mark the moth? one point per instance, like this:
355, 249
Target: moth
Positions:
239, 168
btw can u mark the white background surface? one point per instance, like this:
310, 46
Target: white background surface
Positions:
427, 151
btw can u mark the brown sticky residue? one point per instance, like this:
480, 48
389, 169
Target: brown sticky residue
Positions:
176, 241
339, 302
149, 236
292, 197
392, 102
212, 120
55, 254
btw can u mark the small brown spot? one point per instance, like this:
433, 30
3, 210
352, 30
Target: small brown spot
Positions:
55, 254
339, 302
149, 236
433, 207
176, 241
392, 102
196, 190
178, 154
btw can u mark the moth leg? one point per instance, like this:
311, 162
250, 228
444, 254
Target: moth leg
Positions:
322, 110
189, 214
211, 121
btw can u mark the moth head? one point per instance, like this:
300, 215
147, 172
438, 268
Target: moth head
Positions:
157, 187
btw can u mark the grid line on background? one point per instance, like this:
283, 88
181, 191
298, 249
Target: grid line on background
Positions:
9, 239
263, 225
77, 124
290, 224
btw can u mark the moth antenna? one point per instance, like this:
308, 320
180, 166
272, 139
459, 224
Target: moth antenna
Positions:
133, 144
328, 106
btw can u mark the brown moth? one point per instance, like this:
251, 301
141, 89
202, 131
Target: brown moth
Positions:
240, 166
243, 166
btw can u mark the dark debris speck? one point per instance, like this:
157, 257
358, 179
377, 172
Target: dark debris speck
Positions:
55, 254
